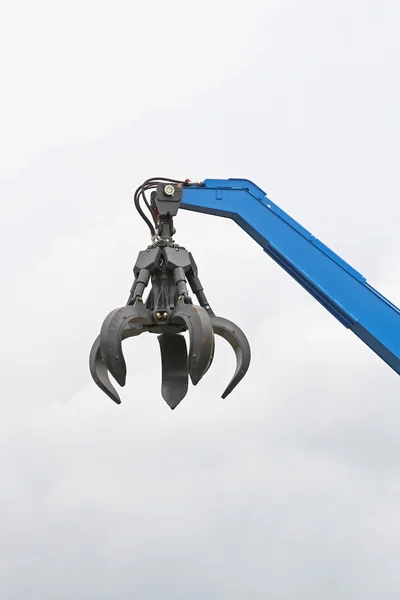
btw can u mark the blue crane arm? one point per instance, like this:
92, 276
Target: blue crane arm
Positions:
343, 291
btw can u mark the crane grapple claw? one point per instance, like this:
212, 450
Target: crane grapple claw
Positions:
201, 338
167, 311
99, 372
112, 334
98, 368
174, 360
238, 341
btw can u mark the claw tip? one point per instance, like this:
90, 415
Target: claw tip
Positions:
121, 380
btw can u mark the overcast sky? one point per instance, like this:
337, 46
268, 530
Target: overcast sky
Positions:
290, 487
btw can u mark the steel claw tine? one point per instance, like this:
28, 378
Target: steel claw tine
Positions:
174, 361
98, 369
112, 334
201, 336
99, 373
237, 339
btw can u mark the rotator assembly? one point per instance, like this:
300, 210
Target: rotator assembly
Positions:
168, 310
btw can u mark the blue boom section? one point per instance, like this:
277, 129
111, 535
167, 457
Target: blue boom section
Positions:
343, 291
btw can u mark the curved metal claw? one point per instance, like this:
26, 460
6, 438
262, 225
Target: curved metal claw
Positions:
99, 372
174, 361
112, 334
201, 336
237, 339
98, 369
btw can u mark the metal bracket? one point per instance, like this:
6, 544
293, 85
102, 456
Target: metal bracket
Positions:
168, 199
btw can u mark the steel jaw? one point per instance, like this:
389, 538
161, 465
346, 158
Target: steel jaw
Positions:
169, 312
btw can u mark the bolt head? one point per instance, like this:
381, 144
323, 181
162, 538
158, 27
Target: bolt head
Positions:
159, 316
169, 190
